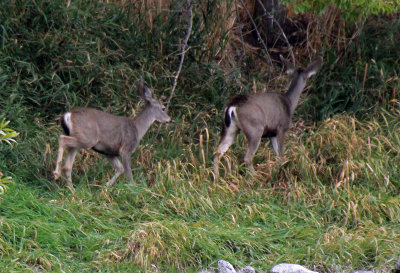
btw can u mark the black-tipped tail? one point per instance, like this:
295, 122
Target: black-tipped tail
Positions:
227, 119
236, 101
64, 126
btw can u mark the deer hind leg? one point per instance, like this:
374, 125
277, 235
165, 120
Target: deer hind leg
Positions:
118, 169
71, 153
57, 171
126, 152
72, 144
224, 144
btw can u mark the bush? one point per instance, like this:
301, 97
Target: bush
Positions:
7, 135
351, 10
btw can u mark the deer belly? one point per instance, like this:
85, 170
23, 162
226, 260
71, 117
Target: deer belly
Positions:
269, 133
105, 150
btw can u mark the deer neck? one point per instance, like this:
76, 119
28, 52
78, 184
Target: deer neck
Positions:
143, 121
295, 88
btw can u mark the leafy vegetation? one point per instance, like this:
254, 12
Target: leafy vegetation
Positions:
7, 135
351, 10
332, 203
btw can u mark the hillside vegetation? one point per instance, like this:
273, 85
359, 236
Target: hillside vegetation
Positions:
331, 204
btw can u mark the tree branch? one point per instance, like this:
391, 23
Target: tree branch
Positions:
241, 32
260, 40
270, 16
184, 49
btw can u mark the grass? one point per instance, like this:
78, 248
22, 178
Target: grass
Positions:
331, 204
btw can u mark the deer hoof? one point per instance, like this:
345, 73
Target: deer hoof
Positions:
70, 187
55, 176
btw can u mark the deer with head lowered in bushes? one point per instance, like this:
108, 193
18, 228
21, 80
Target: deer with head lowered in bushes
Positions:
263, 115
111, 135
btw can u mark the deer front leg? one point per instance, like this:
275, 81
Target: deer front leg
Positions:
126, 163
275, 145
118, 169
281, 143
278, 142
254, 142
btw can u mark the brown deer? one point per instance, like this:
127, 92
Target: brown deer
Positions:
111, 135
263, 115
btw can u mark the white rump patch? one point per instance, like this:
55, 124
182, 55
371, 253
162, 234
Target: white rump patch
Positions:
67, 120
232, 110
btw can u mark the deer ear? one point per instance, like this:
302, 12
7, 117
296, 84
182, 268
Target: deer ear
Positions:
140, 87
144, 92
314, 66
289, 66
148, 94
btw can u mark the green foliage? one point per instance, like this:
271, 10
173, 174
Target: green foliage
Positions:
364, 78
4, 180
90, 53
59, 61
352, 10
7, 135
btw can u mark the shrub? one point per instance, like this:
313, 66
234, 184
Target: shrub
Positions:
7, 135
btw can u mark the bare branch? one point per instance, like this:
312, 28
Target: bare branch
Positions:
270, 16
260, 40
241, 32
184, 49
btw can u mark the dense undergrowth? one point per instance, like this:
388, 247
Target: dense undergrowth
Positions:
332, 203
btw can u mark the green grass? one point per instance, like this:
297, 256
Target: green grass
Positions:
331, 204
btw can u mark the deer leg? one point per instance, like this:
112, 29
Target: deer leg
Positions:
224, 144
118, 169
254, 142
126, 163
274, 143
281, 142
57, 171
71, 143
71, 153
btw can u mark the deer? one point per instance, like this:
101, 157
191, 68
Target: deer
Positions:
263, 115
111, 135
